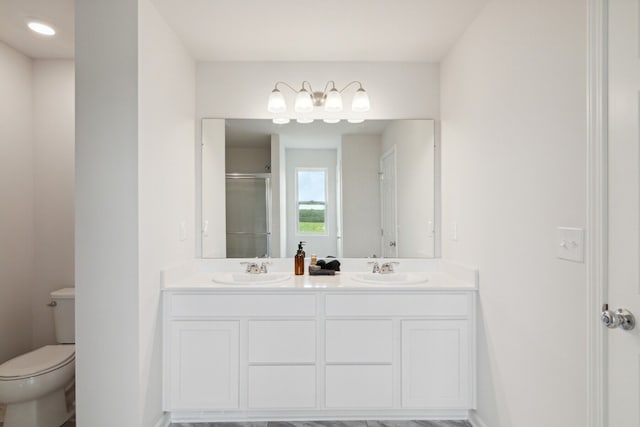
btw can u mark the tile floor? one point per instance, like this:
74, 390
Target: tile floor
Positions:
332, 424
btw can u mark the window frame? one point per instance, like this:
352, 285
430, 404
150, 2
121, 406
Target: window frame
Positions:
298, 201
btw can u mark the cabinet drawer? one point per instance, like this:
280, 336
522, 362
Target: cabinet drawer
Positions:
282, 341
236, 305
282, 387
353, 386
417, 304
363, 341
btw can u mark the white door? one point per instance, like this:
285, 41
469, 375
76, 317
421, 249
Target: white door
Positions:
388, 201
623, 400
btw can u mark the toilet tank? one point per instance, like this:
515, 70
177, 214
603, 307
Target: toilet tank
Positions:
64, 317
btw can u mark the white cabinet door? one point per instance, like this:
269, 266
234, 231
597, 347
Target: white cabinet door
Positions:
204, 365
435, 364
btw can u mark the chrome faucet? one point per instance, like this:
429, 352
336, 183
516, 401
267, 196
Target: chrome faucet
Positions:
376, 266
254, 268
263, 267
387, 267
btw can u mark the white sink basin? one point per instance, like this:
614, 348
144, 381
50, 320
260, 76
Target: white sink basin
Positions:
250, 279
391, 278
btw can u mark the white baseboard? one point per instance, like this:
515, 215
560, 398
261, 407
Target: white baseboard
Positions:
163, 421
475, 420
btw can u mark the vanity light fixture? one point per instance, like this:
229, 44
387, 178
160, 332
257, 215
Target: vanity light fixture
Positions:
41, 28
330, 99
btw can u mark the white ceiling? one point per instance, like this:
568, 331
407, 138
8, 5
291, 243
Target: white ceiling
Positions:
272, 30
319, 30
14, 15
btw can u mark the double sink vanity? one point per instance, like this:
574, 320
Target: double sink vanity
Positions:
357, 345
246, 339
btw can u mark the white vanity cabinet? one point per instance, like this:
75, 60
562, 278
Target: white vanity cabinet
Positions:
314, 353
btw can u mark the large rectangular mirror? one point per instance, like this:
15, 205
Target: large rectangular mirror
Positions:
347, 190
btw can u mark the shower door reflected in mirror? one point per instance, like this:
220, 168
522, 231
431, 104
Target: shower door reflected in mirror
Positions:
248, 215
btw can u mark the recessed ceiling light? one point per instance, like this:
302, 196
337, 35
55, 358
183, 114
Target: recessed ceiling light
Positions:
41, 28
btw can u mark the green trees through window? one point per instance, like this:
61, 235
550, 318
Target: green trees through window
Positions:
311, 203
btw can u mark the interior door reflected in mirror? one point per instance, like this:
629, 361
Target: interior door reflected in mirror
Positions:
348, 190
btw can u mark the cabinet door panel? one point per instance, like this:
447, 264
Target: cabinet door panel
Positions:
204, 365
359, 386
435, 364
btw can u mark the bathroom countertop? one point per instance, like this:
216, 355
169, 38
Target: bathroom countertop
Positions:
342, 281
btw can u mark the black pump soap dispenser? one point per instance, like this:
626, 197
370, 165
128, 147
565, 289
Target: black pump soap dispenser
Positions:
299, 260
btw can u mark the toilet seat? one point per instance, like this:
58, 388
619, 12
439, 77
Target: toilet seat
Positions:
38, 362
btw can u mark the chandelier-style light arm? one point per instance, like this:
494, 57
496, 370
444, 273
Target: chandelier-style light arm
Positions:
286, 84
352, 83
333, 86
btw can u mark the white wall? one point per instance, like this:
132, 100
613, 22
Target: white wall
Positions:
53, 97
361, 195
247, 159
37, 136
241, 89
107, 227
513, 165
166, 193
275, 196
134, 188
414, 141
213, 189
17, 255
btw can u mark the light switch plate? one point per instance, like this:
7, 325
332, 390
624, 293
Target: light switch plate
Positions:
570, 243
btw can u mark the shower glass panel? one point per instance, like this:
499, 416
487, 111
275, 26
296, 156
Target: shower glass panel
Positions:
248, 201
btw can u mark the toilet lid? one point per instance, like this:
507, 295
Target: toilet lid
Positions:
37, 362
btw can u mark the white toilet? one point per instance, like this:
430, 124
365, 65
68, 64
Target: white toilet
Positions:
33, 385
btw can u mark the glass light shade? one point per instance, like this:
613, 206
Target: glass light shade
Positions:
360, 102
333, 102
304, 103
331, 121
281, 120
41, 28
276, 102
304, 120
355, 121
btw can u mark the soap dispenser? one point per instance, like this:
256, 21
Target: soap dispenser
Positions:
299, 260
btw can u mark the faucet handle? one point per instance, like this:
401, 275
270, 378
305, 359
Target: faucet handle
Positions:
252, 267
263, 266
376, 266
387, 267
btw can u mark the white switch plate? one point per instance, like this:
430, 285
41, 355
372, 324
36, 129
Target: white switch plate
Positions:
570, 243
454, 231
